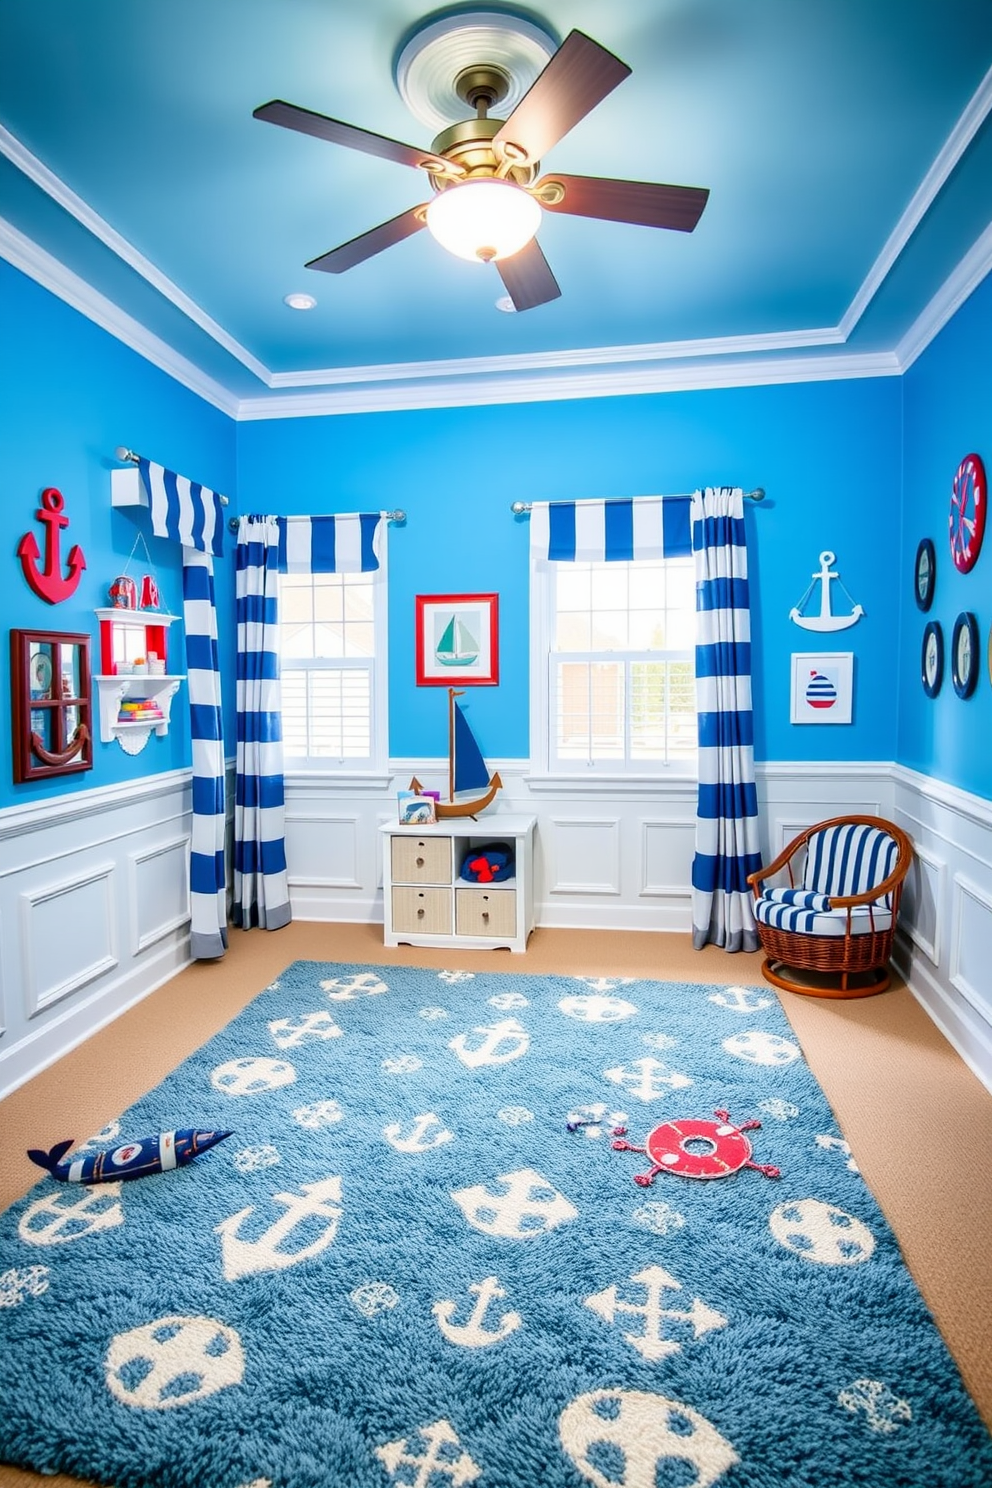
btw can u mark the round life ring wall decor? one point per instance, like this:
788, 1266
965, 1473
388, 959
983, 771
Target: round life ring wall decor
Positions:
966, 521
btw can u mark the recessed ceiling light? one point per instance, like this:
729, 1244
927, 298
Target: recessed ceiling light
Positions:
299, 301
505, 304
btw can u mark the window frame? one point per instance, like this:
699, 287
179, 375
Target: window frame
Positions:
375, 768
543, 766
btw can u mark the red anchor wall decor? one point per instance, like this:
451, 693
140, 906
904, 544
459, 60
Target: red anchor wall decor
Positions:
48, 582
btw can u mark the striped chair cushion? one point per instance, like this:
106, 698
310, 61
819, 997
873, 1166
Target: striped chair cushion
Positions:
849, 859
865, 919
801, 898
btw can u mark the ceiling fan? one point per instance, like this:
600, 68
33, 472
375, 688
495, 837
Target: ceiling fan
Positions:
487, 201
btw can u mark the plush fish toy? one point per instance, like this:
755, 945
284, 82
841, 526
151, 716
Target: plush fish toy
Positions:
157, 1154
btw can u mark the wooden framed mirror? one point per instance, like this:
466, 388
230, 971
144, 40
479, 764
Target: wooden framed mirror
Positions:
50, 703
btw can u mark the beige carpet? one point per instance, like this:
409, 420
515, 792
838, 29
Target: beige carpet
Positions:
919, 1123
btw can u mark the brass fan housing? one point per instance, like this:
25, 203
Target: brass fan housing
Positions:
469, 145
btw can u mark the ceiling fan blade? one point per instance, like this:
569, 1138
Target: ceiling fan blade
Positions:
368, 244
527, 278
305, 121
579, 75
643, 202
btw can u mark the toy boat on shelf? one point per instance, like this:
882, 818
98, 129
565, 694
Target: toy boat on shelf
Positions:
826, 619
467, 770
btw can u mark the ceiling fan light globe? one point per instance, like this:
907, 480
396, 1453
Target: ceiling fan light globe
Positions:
487, 219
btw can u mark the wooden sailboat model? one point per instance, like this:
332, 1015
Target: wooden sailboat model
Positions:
467, 770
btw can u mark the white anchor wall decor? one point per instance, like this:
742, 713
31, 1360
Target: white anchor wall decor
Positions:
826, 619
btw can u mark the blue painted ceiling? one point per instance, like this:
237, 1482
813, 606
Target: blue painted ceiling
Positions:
128, 153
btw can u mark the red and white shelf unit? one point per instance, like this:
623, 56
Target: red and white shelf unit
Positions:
125, 635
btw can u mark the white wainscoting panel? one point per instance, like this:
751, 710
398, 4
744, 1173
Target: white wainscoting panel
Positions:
923, 901
93, 905
583, 854
158, 881
68, 936
944, 945
667, 850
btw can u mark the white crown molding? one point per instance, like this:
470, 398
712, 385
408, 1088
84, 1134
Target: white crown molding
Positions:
568, 385
555, 361
936, 177
66, 198
948, 300
52, 275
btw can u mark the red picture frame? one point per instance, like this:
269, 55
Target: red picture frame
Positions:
457, 639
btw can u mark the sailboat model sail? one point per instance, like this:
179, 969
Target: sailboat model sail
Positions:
467, 770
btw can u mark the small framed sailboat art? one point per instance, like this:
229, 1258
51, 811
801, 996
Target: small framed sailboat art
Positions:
457, 640
467, 770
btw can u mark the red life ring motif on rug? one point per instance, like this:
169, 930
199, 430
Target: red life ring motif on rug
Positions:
694, 1147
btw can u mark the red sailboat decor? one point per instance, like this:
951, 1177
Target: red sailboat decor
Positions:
467, 770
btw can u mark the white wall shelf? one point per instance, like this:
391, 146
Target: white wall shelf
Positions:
114, 685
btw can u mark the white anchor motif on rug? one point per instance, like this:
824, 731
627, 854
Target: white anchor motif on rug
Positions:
821, 1232
759, 1047
70, 1214
437, 1460
884, 1411
652, 1343
838, 1144
605, 984
531, 1206
346, 989
472, 1333
250, 1076
246, 1257
741, 999
642, 1431
647, 1078
500, 1044
597, 1008
173, 1362
289, 1032
415, 1138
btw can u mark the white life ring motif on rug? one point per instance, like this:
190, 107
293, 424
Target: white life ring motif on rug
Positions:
644, 1430
68, 1215
821, 1232
250, 1076
694, 1147
172, 1362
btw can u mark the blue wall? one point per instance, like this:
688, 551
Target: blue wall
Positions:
69, 394
827, 454
862, 467
948, 414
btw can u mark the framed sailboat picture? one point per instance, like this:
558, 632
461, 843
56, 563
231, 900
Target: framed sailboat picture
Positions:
457, 640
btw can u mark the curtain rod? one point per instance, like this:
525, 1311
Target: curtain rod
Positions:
120, 453
758, 494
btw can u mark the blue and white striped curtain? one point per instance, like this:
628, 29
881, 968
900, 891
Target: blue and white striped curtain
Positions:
182, 510
208, 929
343, 543
611, 531
727, 811
261, 892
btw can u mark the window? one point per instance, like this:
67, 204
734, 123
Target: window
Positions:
332, 651
615, 672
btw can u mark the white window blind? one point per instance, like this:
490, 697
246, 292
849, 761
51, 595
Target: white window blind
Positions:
332, 629
619, 665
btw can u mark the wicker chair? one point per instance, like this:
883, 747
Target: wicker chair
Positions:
841, 920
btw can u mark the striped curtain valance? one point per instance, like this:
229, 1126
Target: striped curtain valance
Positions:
611, 531
182, 510
344, 543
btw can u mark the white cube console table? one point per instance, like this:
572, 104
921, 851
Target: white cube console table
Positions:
427, 903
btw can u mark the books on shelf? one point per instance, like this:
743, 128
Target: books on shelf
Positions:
140, 710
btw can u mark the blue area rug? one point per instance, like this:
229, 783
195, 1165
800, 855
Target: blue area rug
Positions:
404, 1270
